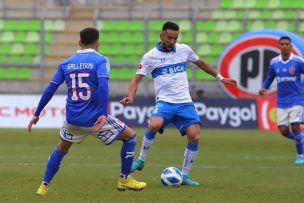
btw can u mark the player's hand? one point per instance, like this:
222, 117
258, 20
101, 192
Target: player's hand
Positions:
126, 100
262, 91
34, 120
101, 120
229, 81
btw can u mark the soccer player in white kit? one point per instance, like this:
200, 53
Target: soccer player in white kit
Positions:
167, 64
287, 69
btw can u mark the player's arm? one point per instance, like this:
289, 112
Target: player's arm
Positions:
103, 72
132, 89
103, 91
44, 100
47, 95
269, 79
205, 66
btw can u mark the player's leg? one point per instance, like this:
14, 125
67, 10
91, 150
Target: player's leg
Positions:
296, 128
68, 135
112, 130
188, 122
296, 120
128, 137
193, 135
155, 124
53, 164
283, 125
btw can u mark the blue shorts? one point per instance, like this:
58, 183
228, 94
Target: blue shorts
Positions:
181, 115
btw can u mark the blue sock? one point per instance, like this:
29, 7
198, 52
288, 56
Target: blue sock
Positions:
299, 141
52, 165
127, 155
149, 135
192, 147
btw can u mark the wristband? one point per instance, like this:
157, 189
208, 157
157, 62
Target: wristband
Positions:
219, 77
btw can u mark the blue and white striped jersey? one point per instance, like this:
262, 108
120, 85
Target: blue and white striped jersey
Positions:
81, 72
168, 70
288, 77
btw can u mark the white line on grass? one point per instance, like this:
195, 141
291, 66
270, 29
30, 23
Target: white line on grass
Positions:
159, 166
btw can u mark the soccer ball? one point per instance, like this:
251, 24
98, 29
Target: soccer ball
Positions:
171, 176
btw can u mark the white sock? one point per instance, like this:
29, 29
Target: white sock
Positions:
146, 144
189, 158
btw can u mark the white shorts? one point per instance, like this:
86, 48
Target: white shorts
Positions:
108, 133
290, 115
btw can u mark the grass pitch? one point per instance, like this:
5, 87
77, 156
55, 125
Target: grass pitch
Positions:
232, 166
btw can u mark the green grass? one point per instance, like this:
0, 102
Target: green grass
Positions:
232, 166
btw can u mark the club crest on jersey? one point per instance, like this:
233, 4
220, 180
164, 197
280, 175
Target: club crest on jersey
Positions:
292, 71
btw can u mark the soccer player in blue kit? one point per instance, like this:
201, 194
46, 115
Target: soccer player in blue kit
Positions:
167, 65
86, 74
287, 69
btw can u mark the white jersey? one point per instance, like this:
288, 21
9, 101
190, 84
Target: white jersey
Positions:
168, 70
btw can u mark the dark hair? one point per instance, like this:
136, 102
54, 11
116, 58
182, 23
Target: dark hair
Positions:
285, 37
89, 35
170, 26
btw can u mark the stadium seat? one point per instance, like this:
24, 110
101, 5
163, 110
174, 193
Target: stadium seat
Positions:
273, 4
225, 4
185, 25
201, 37
255, 25
155, 25
221, 25
20, 36
17, 49
136, 26
225, 37
4, 48
204, 50
187, 38
213, 37
7, 36
32, 37
234, 25
277, 14
24, 73
270, 24
237, 4
208, 25
11, 73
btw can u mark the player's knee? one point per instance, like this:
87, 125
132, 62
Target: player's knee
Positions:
153, 127
194, 139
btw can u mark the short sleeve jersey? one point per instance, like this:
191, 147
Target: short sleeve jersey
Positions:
168, 70
288, 76
81, 72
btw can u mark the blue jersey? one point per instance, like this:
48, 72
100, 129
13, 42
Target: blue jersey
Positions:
81, 72
288, 77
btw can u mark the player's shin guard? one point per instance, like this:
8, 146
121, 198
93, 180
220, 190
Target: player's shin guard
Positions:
189, 157
127, 155
147, 142
299, 141
52, 165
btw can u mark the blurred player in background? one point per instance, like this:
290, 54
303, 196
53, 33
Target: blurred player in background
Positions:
287, 69
86, 74
167, 64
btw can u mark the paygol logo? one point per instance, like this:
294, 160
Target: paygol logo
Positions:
233, 116
227, 115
